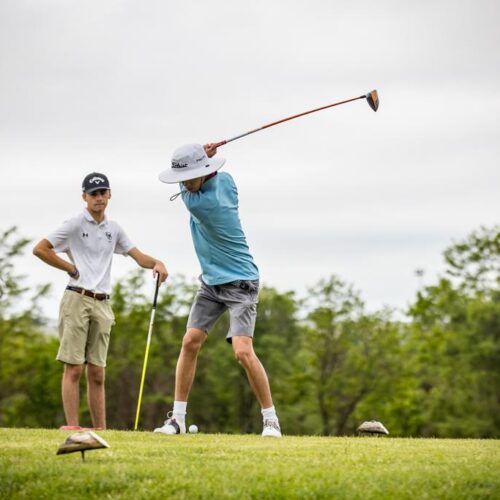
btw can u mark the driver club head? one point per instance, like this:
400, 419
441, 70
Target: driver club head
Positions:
372, 99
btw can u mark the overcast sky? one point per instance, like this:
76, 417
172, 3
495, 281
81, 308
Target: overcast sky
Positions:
116, 86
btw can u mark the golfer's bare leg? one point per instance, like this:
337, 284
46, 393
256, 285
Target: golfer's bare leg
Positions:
96, 395
70, 389
186, 363
244, 353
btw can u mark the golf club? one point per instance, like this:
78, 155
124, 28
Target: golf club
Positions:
146, 354
371, 98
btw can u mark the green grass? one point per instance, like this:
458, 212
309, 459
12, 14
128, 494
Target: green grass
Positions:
146, 465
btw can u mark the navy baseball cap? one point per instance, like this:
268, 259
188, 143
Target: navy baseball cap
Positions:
94, 182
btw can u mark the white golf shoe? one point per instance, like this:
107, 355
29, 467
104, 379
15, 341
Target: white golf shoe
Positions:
271, 429
171, 426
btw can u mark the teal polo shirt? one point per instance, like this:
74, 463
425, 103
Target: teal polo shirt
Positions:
218, 237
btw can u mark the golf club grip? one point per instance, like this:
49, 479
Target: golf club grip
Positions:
156, 290
237, 137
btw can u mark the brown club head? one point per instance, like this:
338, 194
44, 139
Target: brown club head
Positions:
372, 99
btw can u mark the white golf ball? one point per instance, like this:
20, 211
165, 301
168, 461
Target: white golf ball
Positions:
193, 429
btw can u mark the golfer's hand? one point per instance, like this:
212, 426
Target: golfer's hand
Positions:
74, 273
160, 269
210, 149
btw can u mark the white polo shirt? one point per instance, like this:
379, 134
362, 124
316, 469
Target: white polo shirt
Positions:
90, 247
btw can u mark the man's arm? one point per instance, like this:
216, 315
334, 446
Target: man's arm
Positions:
45, 251
149, 262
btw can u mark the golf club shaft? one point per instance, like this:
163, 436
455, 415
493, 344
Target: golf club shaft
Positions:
221, 143
146, 354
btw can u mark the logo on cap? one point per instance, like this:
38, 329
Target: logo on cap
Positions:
95, 181
176, 164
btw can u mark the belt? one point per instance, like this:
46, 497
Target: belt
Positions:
88, 293
243, 284
246, 285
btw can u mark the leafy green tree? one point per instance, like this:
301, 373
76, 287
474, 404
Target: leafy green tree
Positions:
475, 261
29, 377
353, 355
456, 342
331, 364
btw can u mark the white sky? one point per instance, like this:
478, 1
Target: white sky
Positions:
116, 86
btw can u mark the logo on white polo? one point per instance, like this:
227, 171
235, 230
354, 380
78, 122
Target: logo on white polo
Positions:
96, 180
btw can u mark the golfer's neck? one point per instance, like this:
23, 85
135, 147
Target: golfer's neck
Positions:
98, 216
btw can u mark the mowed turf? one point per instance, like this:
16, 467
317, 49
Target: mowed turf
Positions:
146, 465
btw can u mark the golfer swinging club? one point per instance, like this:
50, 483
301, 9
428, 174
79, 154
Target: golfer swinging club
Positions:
85, 315
229, 279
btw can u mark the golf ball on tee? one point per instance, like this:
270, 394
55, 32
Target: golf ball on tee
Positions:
193, 429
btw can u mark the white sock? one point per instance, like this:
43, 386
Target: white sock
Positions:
179, 411
269, 413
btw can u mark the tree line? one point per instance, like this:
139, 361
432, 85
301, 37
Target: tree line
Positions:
331, 363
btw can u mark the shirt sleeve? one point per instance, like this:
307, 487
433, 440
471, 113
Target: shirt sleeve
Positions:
123, 243
59, 239
231, 186
202, 202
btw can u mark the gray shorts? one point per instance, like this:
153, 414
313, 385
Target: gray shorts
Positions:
211, 301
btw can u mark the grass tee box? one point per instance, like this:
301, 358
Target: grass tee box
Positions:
146, 465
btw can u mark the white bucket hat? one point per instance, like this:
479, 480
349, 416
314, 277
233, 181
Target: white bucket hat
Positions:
189, 162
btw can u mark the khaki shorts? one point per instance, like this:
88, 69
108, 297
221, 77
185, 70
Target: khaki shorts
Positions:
84, 329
